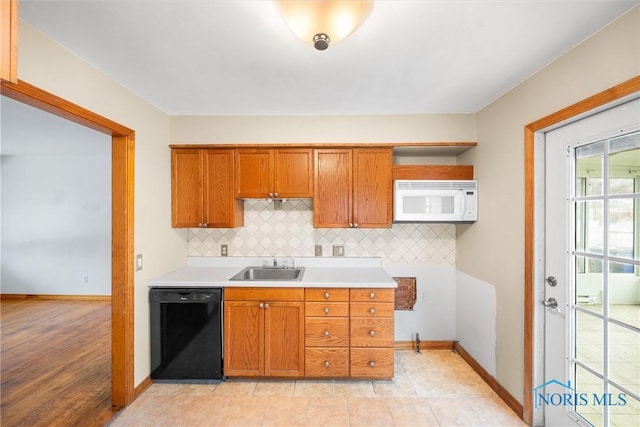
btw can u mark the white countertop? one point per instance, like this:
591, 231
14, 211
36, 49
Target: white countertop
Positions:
319, 273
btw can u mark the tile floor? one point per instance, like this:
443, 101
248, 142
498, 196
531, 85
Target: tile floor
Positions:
432, 388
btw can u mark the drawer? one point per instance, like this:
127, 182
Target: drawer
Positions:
372, 309
326, 332
372, 294
326, 294
326, 362
371, 363
326, 309
372, 332
263, 294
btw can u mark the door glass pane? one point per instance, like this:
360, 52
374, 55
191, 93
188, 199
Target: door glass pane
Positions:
623, 415
624, 164
624, 290
589, 159
588, 384
593, 227
589, 284
624, 354
621, 228
589, 340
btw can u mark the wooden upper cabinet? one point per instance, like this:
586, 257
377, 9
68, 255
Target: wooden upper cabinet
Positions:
332, 206
372, 187
293, 172
186, 188
269, 173
353, 188
202, 189
9, 40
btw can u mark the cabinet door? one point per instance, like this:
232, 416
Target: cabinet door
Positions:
253, 172
372, 188
284, 339
221, 209
293, 172
332, 188
243, 338
186, 188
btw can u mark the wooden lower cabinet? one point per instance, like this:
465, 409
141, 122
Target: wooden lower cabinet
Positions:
371, 333
308, 333
263, 332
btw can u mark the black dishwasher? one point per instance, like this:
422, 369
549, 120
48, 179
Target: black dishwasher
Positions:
186, 333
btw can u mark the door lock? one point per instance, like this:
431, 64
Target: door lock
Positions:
552, 281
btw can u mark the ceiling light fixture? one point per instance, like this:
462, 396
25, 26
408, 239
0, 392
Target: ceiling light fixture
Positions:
320, 22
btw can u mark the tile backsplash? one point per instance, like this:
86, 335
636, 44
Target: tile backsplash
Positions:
290, 232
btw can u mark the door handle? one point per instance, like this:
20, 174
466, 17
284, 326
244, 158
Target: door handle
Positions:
551, 303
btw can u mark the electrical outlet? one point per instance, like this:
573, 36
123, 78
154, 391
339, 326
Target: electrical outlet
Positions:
318, 250
338, 250
224, 250
138, 262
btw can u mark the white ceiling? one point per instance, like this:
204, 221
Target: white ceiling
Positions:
237, 57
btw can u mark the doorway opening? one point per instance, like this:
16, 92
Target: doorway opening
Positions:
122, 227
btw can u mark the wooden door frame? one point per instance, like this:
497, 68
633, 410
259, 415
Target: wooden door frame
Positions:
598, 100
122, 225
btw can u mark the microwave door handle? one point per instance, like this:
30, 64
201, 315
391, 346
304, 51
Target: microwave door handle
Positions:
462, 202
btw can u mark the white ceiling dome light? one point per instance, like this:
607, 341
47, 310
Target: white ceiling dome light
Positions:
324, 22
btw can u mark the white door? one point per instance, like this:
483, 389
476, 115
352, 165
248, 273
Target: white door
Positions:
592, 267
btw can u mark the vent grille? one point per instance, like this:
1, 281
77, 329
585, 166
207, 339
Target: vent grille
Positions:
435, 185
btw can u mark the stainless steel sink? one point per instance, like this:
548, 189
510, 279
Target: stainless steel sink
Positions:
270, 273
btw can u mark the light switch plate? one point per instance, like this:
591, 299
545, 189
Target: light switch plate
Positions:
338, 250
138, 262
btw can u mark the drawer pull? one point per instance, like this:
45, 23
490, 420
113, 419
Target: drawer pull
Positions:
326, 295
372, 333
326, 333
372, 364
372, 295
326, 363
326, 310
372, 310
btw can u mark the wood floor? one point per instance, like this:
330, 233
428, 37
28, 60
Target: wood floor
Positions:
55, 358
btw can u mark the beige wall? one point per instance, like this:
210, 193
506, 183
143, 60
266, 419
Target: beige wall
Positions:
492, 250
310, 129
48, 66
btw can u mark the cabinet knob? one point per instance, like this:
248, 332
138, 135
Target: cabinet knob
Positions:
261, 305
326, 295
372, 295
372, 310
355, 225
350, 225
372, 333
205, 225
326, 363
200, 224
326, 333
266, 305
271, 195
326, 310
372, 364
275, 194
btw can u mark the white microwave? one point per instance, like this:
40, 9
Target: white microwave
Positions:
435, 201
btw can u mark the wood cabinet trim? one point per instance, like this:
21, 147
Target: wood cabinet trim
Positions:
339, 145
453, 172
